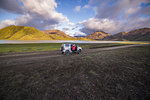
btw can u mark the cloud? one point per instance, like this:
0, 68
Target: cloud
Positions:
77, 9
86, 6
40, 14
66, 28
11, 6
113, 16
6, 23
71, 24
75, 28
79, 34
113, 26
146, 11
95, 24
131, 11
135, 24
113, 9
74, 33
72, 30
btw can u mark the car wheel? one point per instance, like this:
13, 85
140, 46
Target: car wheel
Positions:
67, 52
79, 51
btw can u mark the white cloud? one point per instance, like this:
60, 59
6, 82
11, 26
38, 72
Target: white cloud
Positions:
74, 33
24, 19
79, 23
71, 24
40, 14
44, 9
77, 9
6, 23
95, 24
71, 30
66, 28
113, 26
78, 33
86, 6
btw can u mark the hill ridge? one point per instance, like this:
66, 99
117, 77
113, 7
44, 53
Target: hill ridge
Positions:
142, 34
30, 33
98, 35
18, 32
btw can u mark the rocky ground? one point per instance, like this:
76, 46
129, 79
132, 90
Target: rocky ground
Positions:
112, 73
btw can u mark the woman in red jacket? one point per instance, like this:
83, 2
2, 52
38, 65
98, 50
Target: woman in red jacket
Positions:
73, 47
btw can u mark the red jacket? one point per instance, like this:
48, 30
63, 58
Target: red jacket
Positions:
73, 47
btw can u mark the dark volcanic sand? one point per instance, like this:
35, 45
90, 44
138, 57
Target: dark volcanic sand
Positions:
113, 73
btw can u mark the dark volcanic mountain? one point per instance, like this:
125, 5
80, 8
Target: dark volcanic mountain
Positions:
58, 35
116, 37
99, 35
142, 34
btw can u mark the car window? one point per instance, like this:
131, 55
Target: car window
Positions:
66, 45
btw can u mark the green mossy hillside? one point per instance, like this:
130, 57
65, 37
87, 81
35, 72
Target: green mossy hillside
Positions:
22, 33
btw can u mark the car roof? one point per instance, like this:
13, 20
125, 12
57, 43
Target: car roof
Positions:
67, 43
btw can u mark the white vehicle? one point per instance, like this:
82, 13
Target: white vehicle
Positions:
68, 48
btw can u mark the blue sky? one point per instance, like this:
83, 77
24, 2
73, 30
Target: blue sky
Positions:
6, 15
67, 6
77, 17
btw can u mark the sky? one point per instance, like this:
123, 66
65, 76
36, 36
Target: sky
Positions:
77, 17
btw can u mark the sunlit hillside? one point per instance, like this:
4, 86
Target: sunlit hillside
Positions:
22, 33
58, 35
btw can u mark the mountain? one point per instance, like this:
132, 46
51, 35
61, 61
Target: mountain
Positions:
142, 34
99, 35
58, 35
22, 33
30, 33
116, 37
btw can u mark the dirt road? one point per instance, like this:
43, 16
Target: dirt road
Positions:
37, 57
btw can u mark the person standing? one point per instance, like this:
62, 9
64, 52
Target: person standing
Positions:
73, 47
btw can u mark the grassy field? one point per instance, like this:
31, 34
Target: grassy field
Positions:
121, 74
10, 48
31, 47
101, 45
